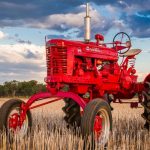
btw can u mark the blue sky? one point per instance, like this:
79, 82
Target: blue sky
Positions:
24, 24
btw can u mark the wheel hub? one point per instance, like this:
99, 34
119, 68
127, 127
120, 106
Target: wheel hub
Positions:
98, 126
14, 121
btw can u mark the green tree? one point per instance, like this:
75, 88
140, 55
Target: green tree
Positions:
24, 88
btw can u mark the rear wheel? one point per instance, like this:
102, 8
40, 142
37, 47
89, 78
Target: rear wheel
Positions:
10, 119
146, 105
109, 98
72, 113
97, 122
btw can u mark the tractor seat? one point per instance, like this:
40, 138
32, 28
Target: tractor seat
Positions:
131, 52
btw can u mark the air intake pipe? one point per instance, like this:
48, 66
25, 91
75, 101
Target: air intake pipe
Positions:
87, 19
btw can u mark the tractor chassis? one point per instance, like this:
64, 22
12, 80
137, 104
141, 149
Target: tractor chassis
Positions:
44, 95
60, 95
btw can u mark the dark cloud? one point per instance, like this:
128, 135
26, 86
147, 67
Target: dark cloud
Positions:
17, 9
54, 36
24, 41
123, 4
139, 23
20, 68
145, 14
16, 38
68, 35
34, 9
21, 71
23, 13
30, 55
61, 27
102, 27
16, 35
37, 9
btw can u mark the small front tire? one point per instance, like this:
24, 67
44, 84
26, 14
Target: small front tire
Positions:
97, 122
9, 119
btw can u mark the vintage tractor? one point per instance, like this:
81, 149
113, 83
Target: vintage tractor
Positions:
88, 77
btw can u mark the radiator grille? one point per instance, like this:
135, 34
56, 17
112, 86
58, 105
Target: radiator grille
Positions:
56, 60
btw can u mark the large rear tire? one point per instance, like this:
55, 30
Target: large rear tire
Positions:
97, 122
146, 105
72, 113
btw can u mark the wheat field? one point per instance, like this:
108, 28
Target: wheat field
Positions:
49, 131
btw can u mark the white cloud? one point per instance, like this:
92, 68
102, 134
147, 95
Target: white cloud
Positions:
111, 9
16, 64
2, 35
70, 20
123, 3
75, 20
119, 24
15, 53
64, 22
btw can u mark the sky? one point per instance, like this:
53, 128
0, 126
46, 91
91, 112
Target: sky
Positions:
24, 25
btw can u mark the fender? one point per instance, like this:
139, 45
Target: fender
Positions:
147, 78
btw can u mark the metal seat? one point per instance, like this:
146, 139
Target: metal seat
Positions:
131, 52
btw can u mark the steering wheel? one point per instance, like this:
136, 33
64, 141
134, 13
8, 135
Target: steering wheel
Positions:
121, 42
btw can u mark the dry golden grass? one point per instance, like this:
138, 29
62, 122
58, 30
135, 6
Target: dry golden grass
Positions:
49, 131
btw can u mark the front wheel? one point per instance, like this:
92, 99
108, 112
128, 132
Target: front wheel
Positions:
97, 122
10, 119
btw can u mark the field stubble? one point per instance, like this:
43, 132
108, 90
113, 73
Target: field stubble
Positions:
49, 131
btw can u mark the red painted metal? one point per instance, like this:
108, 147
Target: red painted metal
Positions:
14, 121
51, 101
37, 97
83, 71
60, 95
98, 126
89, 68
73, 96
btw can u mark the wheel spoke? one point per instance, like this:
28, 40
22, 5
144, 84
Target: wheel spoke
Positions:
101, 126
98, 126
97, 122
121, 37
13, 121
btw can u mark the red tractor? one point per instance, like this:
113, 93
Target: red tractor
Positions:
88, 77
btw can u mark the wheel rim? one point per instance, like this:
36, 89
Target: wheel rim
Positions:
102, 126
14, 126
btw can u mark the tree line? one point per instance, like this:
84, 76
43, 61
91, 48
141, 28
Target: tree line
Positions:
18, 88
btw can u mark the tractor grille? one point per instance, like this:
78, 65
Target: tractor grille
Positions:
56, 60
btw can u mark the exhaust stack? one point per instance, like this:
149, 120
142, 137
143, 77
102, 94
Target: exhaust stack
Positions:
87, 19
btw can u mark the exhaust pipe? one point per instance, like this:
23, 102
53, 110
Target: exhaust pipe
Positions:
87, 19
